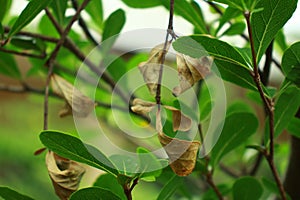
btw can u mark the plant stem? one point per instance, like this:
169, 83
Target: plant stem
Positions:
128, 189
169, 31
41, 56
268, 103
210, 181
83, 25
53, 55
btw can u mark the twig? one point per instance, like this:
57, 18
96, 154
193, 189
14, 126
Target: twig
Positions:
209, 173
268, 103
228, 171
128, 189
83, 25
210, 181
169, 31
41, 56
52, 57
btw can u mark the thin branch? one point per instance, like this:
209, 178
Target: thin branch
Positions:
268, 103
210, 181
228, 171
52, 57
83, 25
40, 56
169, 31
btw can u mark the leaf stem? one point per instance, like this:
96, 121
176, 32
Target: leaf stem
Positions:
49, 63
268, 103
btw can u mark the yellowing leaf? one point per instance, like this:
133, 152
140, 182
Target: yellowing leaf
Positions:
182, 154
181, 122
150, 69
65, 174
190, 71
77, 103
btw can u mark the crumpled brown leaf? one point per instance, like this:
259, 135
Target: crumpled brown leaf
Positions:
150, 69
65, 174
181, 122
76, 102
190, 71
182, 154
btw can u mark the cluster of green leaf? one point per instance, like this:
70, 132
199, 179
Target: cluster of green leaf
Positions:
232, 64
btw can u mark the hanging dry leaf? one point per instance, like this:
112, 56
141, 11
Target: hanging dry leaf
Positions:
65, 174
150, 69
76, 103
182, 154
190, 71
181, 122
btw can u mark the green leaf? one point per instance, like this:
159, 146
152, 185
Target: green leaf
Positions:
291, 63
110, 182
205, 102
116, 66
294, 127
1, 31
170, 188
285, 108
266, 23
239, 106
112, 26
94, 193
5, 7
247, 188
238, 4
149, 165
126, 164
95, 9
235, 29
46, 27
25, 43
33, 8
9, 194
201, 45
229, 13
281, 41
59, 8
73, 148
237, 128
142, 4
188, 12
8, 66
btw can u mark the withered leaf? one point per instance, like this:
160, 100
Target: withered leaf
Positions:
150, 69
76, 102
182, 154
181, 122
190, 71
65, 174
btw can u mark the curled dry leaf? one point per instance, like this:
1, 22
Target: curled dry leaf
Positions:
76, 103
65, 174
181, 122
182, 154
190, 71
150, 69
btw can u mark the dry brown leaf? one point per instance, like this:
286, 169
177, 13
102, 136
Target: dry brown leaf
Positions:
181, 122
76, 103
182, 154
65, 174
150, 69
190, 71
